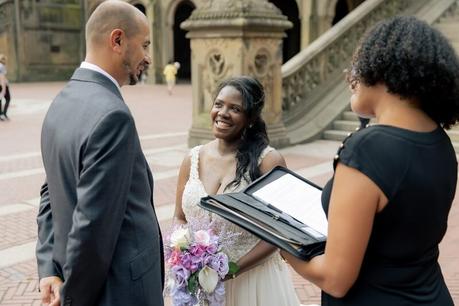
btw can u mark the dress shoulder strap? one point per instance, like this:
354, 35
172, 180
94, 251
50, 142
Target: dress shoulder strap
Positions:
264, 153
194, 156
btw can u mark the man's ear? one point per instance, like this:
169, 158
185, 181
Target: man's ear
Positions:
117, 40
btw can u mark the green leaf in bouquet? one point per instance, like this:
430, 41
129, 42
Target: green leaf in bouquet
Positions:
233, 268
193, 283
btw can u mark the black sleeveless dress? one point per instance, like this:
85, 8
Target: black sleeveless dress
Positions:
418, 173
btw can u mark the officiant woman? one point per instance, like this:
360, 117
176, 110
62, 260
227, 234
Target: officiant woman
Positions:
394, 182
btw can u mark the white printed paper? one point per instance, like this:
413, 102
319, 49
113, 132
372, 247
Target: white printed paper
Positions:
296, 198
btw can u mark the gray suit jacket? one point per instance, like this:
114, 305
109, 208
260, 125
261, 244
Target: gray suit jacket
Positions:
97, 227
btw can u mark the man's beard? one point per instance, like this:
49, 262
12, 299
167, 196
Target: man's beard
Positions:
133, 78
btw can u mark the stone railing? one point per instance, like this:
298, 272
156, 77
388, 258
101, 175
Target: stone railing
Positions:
316, 69
453, 10
441, 14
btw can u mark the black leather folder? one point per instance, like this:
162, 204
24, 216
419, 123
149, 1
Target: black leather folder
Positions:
267, 221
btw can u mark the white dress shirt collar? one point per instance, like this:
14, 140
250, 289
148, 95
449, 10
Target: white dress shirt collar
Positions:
96, 68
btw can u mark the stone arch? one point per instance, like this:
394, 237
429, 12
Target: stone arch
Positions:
329, 8
343, 7
291, 44
341, 10
322, 13
326, 12
141, 7
178, 46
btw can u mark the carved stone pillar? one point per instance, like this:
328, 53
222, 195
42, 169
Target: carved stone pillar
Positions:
230, 38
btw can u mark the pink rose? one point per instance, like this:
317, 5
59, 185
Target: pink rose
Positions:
175, 258
202, 237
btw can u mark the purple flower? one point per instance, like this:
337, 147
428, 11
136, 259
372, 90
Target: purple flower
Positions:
212, 248
219, 263
198, 250
187, 262
214, 239
183, 298
181, 275
217, 298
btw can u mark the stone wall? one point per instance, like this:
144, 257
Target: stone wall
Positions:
7, 43
45, 37
50, 39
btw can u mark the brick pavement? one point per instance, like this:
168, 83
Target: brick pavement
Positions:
162, 122
18, 284
17, 228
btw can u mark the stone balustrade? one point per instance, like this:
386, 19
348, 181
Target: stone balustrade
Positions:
316, 69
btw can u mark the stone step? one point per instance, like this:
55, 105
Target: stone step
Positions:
349, 115
448, 25
449, 30
335, 135
346, 125
454, 19
450, 18
453, 38
453, 135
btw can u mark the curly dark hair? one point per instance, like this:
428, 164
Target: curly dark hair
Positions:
254, 139
414, 61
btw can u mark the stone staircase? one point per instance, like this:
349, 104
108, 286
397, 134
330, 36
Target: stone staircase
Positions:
454, 136
449, 25
347, 122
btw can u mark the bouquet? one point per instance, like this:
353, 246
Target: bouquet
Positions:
197, 266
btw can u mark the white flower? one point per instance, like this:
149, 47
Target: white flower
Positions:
180, 238
202, 237
170, 283
208, 279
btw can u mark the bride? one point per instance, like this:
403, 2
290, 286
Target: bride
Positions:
239, 154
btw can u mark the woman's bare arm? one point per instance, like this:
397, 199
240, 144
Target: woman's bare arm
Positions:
184, 174
353, 204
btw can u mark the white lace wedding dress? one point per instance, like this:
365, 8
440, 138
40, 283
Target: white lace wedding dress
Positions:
267, 284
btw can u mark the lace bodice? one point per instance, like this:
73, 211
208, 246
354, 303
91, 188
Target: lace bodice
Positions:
194, 191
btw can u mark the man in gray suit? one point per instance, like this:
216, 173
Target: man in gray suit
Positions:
99, 241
